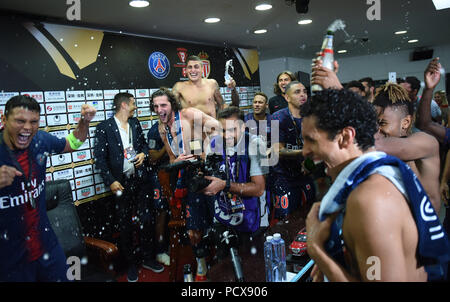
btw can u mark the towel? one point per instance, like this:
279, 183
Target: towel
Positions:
433, 246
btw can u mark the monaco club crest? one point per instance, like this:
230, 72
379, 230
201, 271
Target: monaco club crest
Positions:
206, 63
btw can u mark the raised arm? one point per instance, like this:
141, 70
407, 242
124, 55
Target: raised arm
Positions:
324, 76
432, 77
235, 100
79, 135
218, 99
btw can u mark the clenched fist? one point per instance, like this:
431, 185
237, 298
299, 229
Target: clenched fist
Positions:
7, 175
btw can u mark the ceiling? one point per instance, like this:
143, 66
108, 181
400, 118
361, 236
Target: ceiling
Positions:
183, 20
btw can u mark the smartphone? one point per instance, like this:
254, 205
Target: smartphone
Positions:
393, 77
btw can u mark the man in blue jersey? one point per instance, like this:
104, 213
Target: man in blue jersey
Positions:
291, 189
29, 249
260, 117
158, 156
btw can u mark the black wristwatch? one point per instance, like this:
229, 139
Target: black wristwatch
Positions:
227, 185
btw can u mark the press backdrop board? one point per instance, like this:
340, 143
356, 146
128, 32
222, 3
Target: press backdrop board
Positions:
64, 66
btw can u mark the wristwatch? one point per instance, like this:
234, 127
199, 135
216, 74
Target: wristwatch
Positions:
227, 185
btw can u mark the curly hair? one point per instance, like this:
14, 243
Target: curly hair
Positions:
172, 99
276, 88
337, 109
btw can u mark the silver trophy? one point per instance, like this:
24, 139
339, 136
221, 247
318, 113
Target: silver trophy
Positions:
228, 66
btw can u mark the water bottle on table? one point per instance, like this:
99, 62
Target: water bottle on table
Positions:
268, 256
279, 259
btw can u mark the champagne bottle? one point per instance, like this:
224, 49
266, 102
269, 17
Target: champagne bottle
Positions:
326, 55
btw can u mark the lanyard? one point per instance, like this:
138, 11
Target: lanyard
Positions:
130, 135
237, 166
19, 168
298, 133
179, 131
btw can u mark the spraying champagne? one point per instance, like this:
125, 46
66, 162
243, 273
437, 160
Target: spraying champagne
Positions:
326, 53
228, 66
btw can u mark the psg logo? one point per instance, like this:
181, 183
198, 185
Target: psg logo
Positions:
159, 65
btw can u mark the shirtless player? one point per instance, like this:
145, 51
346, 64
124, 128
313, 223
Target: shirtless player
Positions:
201, 93
419, 150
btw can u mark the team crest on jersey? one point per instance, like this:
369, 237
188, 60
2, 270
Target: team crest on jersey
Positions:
206, 63
159, 65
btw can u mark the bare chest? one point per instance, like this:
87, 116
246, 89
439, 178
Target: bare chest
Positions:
194, 95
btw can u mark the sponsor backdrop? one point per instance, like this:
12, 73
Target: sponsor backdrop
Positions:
63, 67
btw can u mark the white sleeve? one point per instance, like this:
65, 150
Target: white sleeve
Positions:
257, 151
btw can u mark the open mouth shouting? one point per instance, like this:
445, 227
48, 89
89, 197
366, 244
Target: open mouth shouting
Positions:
23, 140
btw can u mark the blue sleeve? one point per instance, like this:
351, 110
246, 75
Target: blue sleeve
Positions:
282, 133
154, 139
51, 143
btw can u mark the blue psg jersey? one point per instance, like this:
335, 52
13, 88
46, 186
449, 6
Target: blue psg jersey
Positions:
255, 128
290, 135
154, 138
15, 204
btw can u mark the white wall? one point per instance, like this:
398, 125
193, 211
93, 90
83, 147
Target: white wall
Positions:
376, 66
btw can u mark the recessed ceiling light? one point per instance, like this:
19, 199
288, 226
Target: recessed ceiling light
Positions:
400, 32
413, 41
263, 6
441, 4
260, 31
139, 3
304, 22
212, 20
342, 51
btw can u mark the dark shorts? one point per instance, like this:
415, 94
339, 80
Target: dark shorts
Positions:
159, 201
289, 195
199, 211
50, 267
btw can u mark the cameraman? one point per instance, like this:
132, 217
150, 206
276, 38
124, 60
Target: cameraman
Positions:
291, 188
240, 196
176, 128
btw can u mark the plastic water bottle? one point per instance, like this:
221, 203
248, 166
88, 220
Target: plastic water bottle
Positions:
268, 247
279, 259
188, 273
